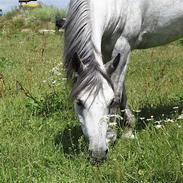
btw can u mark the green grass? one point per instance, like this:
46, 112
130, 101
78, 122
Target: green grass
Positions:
41, 140
46, 14
31, 19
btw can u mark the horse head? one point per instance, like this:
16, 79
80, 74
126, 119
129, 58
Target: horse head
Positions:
94, 96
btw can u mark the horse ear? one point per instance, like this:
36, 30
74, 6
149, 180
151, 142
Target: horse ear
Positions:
77, 63
112, 65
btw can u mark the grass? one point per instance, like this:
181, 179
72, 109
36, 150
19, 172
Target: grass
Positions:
31, 19
41, 140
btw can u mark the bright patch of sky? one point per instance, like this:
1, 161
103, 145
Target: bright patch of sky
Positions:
7, 5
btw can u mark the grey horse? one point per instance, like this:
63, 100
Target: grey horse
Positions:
97, 31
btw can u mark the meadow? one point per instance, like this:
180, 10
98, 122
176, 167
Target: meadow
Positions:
40, 136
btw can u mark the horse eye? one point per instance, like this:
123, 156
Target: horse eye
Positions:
80, 103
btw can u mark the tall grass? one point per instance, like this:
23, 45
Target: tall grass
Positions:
41, 139
45, 14
12, 13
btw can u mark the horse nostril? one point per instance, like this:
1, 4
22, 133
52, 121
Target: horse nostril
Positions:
106, 152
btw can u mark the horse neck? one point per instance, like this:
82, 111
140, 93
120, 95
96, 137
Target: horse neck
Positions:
108, 21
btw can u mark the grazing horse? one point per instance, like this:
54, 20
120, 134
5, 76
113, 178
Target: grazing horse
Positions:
97, 31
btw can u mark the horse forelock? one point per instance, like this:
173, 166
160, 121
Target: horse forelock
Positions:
90, 80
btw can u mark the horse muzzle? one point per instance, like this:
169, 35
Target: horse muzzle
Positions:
99, 156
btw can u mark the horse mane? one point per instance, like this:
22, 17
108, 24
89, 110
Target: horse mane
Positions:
78, 33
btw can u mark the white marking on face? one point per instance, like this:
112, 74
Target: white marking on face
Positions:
91, 110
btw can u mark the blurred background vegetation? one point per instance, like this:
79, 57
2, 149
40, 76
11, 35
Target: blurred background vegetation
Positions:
31, 18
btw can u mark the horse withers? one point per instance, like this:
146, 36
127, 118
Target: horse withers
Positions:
99, 31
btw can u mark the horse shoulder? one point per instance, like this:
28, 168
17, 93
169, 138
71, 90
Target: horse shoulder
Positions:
133, 23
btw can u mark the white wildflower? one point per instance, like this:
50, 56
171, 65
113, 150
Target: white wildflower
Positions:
55, 71
137, 111
129, 135
158, 126
44, 81
113, 116
54, 82
180, 117
149, 119
158, 122
176, 107
179, 126
142, 118
169, 121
